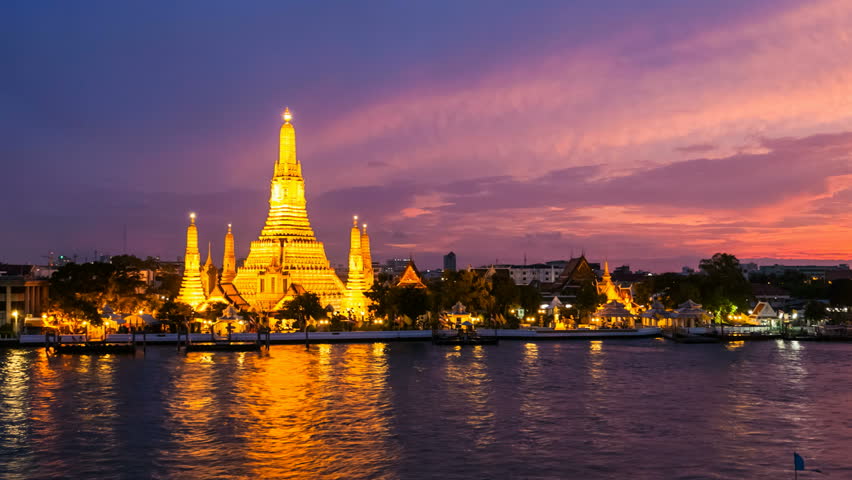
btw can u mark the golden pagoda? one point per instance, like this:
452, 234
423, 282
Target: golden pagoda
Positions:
287, 254
229, 262
209, 272
355, 282
369, 274
191, 288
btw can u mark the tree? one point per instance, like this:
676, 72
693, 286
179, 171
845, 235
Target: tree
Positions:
529, 299
381, 300
724, 289
214, 310
815, 311
175, 313
587, 299
642, 291
468, 287
505, 294
304, 307
410, 302
840, 292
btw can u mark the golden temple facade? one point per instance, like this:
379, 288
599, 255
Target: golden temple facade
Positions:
287, 257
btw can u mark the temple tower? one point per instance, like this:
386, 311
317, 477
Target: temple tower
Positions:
369, 275
355, 285
287, 243
209, 273
191, 289
229, 262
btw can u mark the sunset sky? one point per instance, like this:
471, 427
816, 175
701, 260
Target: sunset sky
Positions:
652, 133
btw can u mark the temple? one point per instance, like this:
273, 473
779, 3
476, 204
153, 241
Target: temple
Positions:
191, 287
356, 282
615, 293
369, 274
287, 255
229, 261
286, 259
209, 273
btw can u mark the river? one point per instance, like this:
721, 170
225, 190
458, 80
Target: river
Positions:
637, 409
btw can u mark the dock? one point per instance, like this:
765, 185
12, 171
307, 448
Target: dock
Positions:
82, 344
213, 343
684, 336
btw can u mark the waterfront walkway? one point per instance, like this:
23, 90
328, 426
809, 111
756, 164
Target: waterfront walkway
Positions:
362, 337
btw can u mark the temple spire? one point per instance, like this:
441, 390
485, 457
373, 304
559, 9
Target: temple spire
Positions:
355, 284
287, 253
286, 141
229, 263
209, 254
367, 259
191, 288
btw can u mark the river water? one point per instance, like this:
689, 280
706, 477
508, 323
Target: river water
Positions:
638, 409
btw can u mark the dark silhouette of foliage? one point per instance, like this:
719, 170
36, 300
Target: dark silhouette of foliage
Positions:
304, 307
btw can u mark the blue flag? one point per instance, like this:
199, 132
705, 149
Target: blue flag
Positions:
798, 462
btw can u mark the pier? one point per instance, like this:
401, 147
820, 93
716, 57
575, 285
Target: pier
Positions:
252, 341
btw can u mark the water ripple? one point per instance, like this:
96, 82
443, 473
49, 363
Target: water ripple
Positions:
591, 410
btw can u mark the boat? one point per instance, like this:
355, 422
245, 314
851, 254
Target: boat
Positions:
93, 348
223, 347
463, 337
685, 337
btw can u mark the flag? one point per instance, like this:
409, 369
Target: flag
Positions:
799, 464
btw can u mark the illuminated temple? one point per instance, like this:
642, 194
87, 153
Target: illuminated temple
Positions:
191, 288
286, 259
615, 292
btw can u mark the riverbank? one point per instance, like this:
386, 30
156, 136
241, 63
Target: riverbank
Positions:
351, 337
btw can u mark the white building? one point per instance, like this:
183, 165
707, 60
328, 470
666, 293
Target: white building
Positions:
541, 272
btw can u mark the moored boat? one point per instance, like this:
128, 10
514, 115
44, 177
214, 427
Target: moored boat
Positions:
463, 337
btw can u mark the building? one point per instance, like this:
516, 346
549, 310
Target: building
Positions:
395, 266
814, 272
410, 277
360, 273
541, 273
450, 262
615, 292
22, 294
286, 259
191, 288
574, 274
771, 294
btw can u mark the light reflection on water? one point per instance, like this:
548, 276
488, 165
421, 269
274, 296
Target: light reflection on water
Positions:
613, 409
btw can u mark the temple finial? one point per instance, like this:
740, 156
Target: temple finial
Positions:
229, 228
365, 228
192, 217
355, 221
287, 116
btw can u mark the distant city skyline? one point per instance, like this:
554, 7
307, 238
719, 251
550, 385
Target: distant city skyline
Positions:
652, 133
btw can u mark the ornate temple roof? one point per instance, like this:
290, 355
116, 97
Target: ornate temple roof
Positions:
613, 309
690, 309
410, 277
